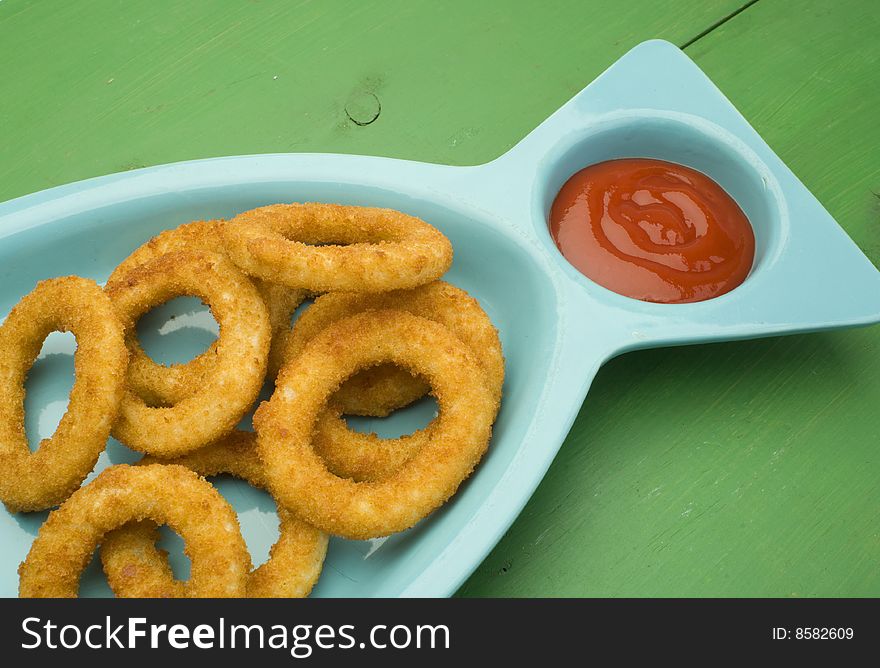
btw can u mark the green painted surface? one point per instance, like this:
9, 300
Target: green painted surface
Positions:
736, 469
99, 86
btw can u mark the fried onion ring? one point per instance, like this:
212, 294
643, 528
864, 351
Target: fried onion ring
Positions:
220, 401
331, 247
165, 385
136, 568
42, 479
297, 475
350, 454
170, 495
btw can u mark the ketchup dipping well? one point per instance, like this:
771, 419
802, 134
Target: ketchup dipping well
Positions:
652, 230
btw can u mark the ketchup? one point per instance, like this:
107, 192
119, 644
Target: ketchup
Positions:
652, 230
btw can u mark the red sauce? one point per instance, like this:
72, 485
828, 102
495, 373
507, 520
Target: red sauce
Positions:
653, 230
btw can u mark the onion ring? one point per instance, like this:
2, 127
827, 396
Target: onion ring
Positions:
42, 479
136, 568
170, 495
350, 454
221, 400
364, 249
297, 475
165, 385
374, 392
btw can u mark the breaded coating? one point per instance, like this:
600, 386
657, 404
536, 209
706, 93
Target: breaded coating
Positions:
171, 495
350, 454
298, 476
224, 396
136, 568
331, 247
165, 385
45, 478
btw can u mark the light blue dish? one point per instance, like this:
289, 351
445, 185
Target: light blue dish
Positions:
557, 327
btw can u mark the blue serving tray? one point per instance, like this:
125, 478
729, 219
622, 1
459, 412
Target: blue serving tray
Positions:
557, 327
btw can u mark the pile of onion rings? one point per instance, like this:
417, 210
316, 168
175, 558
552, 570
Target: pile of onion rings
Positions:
382, 332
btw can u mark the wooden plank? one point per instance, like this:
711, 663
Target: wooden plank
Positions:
746, 469
98, 86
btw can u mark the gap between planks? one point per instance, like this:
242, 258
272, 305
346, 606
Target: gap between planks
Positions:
720, 22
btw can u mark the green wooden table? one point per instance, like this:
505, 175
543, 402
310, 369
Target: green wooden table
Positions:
743, 469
